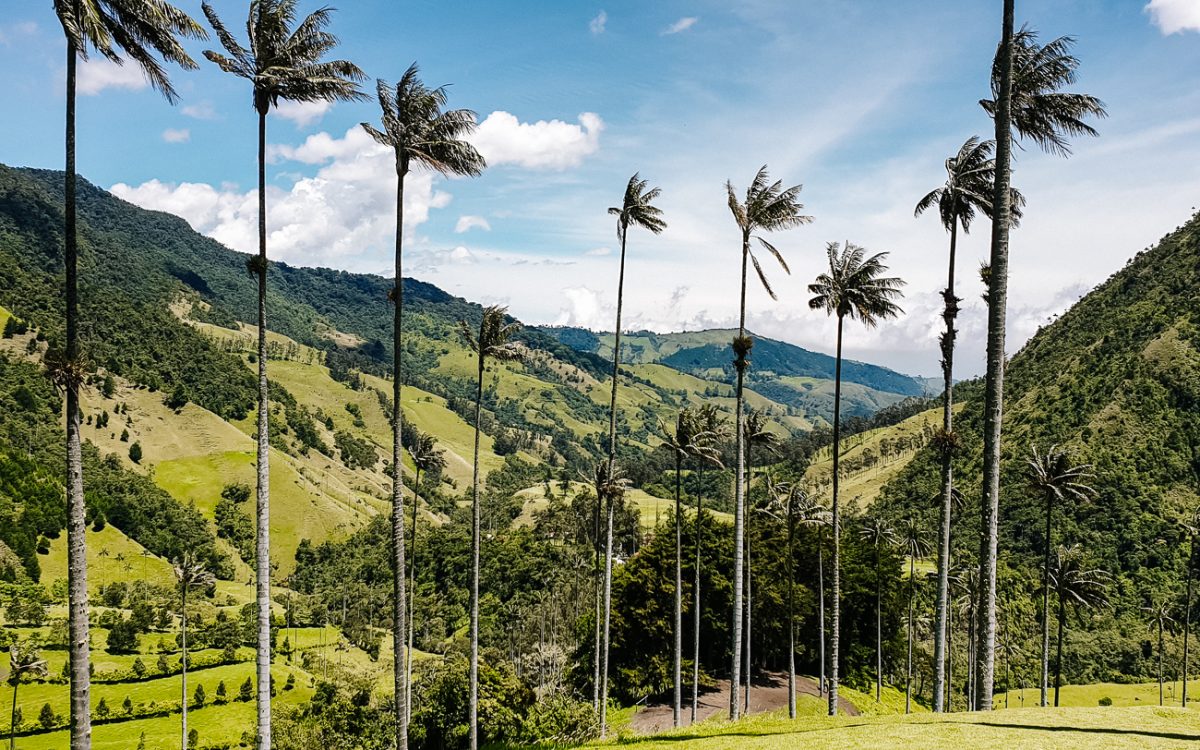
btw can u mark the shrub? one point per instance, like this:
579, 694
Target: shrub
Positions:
1105, 701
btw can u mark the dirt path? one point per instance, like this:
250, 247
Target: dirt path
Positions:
769, 693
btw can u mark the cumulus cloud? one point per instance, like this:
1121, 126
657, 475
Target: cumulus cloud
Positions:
467, 223
200, 110
553, 144
1174, 16
303, 114
99, 73
585, 308
343, 216
177, 135
682, 24
598, 23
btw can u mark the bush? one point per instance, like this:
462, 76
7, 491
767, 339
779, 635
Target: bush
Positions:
559, 719
135, 453
1105, 701
123, 638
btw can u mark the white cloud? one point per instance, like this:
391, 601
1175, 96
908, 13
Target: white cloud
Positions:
682, 24
200, 110
177, 135
467, 223
342, 216
1173, 16
599, 251
303, 114
10, 31
598, 23
553, 144
98, 73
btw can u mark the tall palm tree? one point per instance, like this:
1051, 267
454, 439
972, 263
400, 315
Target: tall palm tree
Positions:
24, 662
1026, 102
285, 61
494, 341
813, 513
637, 209
879, 534
1055, 480
915, 546
714, 431
768, 207
683, 440
969, 187
758, 433
420, 132
854, 287
786, 501
1077, 586
1161, 617
427, 459
1192, 529
142, 31
190, 573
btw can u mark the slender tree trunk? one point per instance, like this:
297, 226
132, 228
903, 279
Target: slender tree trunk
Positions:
77, 592
696, 600
835, 635
821, 607
1187, 619
749, 597
1045, 683
399, 568
612, 463
677, 670
1160, 661
739, 510
183, 663
878, 625
412, 604
943, 592
475, 520
263, 488
599, 613
1062, 618
791, 612
12, 722
912, 590
950, 660
994, 382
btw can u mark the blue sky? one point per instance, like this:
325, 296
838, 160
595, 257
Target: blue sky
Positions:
859, 101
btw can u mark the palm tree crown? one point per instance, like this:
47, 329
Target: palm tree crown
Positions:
768, 207
1053, 476
138, 28
1076, 584
1040, 112
494, 340
969, 187
854, 286
637, 210
425, 454
418, 128
285, 59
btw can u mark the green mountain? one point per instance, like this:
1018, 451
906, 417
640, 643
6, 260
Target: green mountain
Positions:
1116, 381
783, 372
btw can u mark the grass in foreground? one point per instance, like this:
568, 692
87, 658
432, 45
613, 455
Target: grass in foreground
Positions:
1065, 728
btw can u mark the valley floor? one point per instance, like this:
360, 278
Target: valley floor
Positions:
1062, 728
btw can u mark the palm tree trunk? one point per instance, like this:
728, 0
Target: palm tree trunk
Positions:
183, 662
1062, 618
878, 625
834, 636
950, 660
1187, 619
1160, 661
12, 721
791, 614
1046, 605
912, 585
696, 601
475, 519
994, 383
739, 491
612, 462
399, 568
676, 705
821, 606
263, 488
599, 613
749, 599
81, 721
943, 592
412, 603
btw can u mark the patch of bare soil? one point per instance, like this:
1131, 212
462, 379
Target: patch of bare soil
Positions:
769, 692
